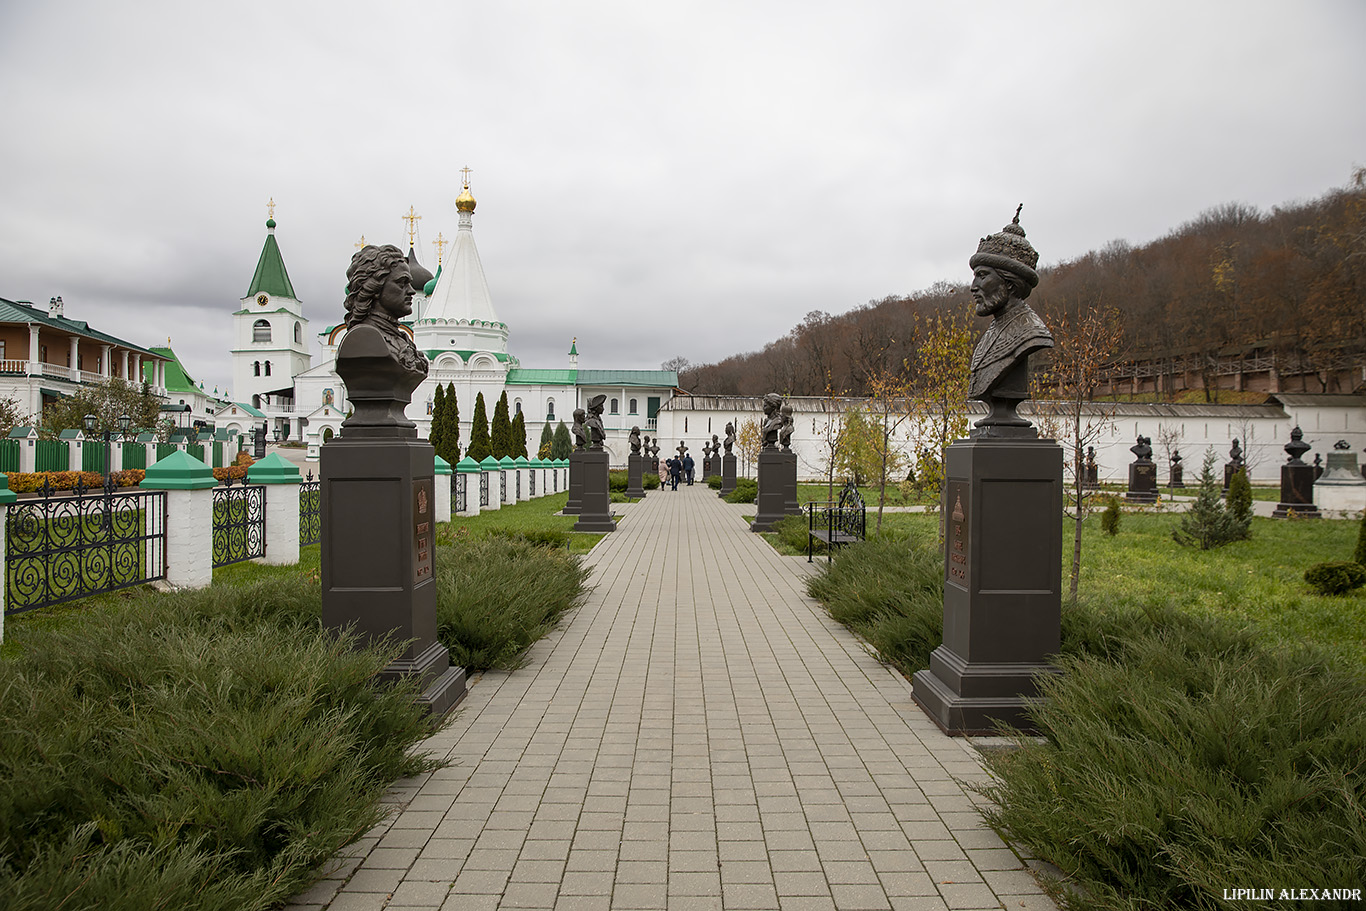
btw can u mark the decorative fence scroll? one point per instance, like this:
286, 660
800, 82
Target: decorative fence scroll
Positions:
60, 547
310, 506
239, 523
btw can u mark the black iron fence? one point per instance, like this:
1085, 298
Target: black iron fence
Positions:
239, 523
310, 518
60, 547
484, 489
460, 493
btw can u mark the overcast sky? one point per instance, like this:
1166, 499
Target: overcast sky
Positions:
657, 179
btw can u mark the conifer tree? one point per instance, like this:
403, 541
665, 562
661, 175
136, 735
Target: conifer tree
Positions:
518, 436
450, 433
500, 430
1207, 523
480, 447
438, 424
547, 438
562, 445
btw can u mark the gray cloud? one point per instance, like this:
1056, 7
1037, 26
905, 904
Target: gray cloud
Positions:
653, 179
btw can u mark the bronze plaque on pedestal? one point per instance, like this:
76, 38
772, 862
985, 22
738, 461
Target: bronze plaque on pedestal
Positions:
422, 531
959, 548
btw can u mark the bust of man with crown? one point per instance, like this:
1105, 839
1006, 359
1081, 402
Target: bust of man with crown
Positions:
1002, 277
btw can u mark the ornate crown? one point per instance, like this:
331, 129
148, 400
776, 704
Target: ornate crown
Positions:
1009, 251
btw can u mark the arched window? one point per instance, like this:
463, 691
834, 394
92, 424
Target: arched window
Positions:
550, 409
255, 368
616, 409
517, 406
267, 368
256, 402
634, 408
298, 333
327, 434
260, 331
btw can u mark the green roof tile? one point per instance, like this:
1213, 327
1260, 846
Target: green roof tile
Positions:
271, 276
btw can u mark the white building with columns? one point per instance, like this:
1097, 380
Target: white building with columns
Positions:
45, 355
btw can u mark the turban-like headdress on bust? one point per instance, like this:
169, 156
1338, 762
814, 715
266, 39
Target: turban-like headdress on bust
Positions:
1009, 252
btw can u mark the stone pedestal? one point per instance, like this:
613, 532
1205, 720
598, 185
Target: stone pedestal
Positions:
1341, 486
575, 503
1178, 470
595, 512
727, 475
1002, 584
777, 489
1230, 469
1297, 493
1142, 481
635, 473
1090, 476
378, 521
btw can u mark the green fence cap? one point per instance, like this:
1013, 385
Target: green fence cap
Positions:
6, 495
489, 463
506, 462
467, 464
442, 466
179, 471
521, 462
274, 469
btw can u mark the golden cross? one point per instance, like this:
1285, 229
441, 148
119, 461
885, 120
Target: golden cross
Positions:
270, 207
440, 244
412, 218
466, 172
362, 242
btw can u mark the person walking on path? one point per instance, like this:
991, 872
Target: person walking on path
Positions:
688, 466
675, 471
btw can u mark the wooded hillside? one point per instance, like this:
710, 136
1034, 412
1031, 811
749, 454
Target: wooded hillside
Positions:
1233, 299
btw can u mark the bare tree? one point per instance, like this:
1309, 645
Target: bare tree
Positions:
1085, 339
677, 364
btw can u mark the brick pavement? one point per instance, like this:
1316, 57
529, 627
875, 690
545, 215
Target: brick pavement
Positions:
698, 735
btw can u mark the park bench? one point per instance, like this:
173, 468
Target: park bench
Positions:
835, 522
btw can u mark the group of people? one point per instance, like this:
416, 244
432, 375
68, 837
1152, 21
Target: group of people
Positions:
675, 470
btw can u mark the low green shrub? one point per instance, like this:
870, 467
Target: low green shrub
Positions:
890, 590
1179, 756
714, 482
498, 595
1360, 555
1110, 516
793, 533
746, 491
1335, 578
617, 480
206, 749
650, 481
542, 537
1208, 524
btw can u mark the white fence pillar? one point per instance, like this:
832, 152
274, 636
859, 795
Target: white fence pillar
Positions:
282, 507
442, 490
189, 485
491, 472
470, 474
7, 497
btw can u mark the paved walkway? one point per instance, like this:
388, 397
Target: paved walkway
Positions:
699, 734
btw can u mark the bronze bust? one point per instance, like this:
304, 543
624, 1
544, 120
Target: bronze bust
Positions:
596, 434
1002, 278
377, 359
773, 420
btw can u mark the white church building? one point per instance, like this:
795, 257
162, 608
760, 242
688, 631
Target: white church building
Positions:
454, 323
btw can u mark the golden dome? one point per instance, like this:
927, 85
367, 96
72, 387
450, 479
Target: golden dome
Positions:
465, 201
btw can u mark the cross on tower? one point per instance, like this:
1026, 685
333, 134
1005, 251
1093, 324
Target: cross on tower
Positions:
440, 243
361, 243
466, 172
412, 218
270, 208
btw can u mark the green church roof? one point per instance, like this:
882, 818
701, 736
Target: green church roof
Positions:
271, 276
177, 378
